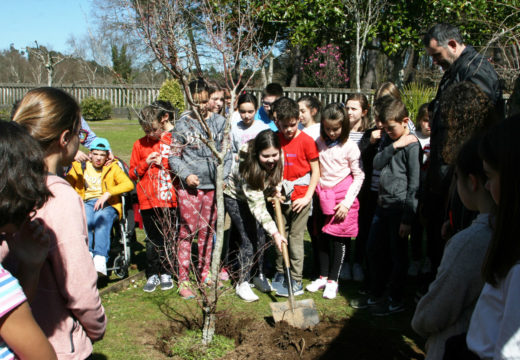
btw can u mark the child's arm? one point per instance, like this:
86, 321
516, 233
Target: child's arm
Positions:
122, 184
175, 159
21, 333
413, 173
341, 210
299, 204
138, 165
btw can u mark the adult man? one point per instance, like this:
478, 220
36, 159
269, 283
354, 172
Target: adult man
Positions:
100, 187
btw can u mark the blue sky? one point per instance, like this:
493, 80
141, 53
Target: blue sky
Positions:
50, 22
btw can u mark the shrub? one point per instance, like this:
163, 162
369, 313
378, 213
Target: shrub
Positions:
171, 91
325, 68
96, 109
414, 95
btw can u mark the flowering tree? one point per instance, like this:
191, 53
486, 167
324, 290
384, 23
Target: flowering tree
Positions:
325, 68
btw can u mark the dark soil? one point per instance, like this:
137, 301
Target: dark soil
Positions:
354, 338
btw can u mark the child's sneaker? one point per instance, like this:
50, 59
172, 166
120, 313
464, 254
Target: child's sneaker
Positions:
100, 263
245, 292
185, 291
278, 281
331, 289
262, 283
166, 282
357, 273
364, 302
345, 273
152, 282
297, 289
388, 307
317, 284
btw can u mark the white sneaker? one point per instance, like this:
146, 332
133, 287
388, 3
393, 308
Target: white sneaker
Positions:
357, 273
317, 284
100, 263
245, 292
331, 289
413, 269
345, 273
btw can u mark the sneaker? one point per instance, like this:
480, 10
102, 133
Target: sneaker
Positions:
331, 290
185, 291
297, 289
345, 273
245, 292
166, 282
357, 273
262, 283
100, 263
223, 275
278, 281
152, 283
413, 269
364, 302
388, 307
317, 284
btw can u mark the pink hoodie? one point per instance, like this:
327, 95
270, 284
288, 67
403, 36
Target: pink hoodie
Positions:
67, 305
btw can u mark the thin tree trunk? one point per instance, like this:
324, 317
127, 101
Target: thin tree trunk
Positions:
358, 58
296, 67
369, 80
270, 72
195, 52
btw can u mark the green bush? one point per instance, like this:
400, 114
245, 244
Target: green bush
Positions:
171, 91
414, 95
96, 109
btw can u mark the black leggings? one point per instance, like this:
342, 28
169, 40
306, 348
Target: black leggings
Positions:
339, 250
251, 235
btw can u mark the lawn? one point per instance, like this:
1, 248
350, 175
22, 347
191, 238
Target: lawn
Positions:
151, 325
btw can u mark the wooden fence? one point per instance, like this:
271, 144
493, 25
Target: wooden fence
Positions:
140, 95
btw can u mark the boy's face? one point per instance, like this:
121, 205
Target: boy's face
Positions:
267, 101
98, 158
202, 100
289, 128
396, 129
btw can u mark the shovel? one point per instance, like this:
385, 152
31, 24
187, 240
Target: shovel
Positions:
300, 314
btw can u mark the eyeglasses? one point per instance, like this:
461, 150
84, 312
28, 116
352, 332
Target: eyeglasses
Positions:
267, 103
83, 134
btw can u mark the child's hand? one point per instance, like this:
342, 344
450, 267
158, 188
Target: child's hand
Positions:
154, 158
192, 181
30, 244
375, 136
341, 212
81, 156
110, 158
404, 141
299, 204
278, 239
405, 230
101, 201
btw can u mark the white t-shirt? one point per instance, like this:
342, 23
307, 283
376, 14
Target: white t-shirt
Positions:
240, 134
313, 131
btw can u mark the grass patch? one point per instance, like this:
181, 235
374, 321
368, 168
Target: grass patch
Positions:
189, 346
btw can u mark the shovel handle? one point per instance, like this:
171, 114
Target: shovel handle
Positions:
281, 228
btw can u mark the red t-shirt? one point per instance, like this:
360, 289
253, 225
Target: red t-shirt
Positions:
155, 187
298, 154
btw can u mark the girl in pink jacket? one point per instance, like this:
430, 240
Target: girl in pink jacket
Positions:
340, 182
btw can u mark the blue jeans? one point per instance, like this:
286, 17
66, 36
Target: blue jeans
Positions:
387, 254
99, 227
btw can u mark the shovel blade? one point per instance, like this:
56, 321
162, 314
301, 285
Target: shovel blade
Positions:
303, 316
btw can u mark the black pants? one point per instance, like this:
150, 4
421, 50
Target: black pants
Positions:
160, 225
338, 247
251, 237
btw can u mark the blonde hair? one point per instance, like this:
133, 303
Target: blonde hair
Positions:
46, 113
387, 88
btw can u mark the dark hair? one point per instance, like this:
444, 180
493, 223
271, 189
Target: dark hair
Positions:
46, 113
164, 108
363, 102
336, 112
285, 109
500, 150
198, 86
312, 103
421, 113
23, 187
247, 98
443, 33
154, 113
273, 89
465, 110
393, 110
253, 173
380, 104
468, 159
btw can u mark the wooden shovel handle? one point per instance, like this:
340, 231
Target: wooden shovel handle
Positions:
281, 228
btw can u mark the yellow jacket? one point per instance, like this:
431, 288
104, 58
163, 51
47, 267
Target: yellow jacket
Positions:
113, 179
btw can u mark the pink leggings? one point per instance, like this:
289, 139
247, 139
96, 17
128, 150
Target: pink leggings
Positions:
198, 216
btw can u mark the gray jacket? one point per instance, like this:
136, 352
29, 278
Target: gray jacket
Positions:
399, 179
192, 156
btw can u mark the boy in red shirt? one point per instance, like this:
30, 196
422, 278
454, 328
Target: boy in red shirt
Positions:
155, 191
300, 177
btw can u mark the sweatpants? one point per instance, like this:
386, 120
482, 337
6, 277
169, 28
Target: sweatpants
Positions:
198, 217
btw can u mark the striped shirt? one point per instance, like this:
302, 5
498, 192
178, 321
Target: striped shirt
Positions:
355, 136
11, 295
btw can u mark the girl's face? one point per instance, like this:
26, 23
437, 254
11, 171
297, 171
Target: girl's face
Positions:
216, 102
465, 190
247, 113
332, 128
355, 113
493, 182
269, 157
425, 126
306, 114
202, 99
